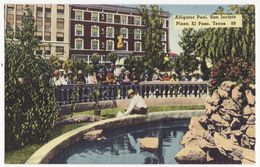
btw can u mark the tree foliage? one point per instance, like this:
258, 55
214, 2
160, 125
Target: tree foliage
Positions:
152, 35
31, 108
213, 44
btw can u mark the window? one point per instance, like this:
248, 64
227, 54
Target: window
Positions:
38, 52
110, 18
48, 8
94, 16
47, 50
110, 45
137, 47
19, 9
137, 34
47, 36
47, 24
60, 23
124, 32
110, 32
123, 19
39, 24
19, 20
10, 19
10, 9
60, 36
79, 30
164, 46
39, 35
59, 50
164, 23
94, 31
137, 20
60, 9
79, 15
79, 44
95, 44
164, 36
125, 47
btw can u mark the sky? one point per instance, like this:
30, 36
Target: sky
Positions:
185, 10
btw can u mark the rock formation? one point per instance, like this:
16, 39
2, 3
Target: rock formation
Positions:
226, 133
149, 143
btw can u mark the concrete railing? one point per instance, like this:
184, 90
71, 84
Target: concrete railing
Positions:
158, 89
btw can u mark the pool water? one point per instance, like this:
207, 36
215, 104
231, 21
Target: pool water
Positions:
121, 146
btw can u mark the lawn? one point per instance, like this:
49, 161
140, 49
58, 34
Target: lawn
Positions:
21, 155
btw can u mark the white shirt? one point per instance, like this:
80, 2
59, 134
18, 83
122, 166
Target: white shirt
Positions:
137, 101
63, 80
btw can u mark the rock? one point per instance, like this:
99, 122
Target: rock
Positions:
187, 138
191, 154
194, 121
247, 162
237, 133
230, 104
233, 139
214, 99
209, 137
217, 118
245, 141
226, 117
253, 110
204, 120
149, 143
195, 127
228, 85
222, 93
251, 120
250, 132
210, 109
226, 132
244, 128
226, 147
93, 135
209, 157
203, 143
235, 124
247, 110
250, 97
236, 93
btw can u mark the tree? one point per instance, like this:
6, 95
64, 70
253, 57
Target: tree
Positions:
31, 107
112, 57
152, 35
95, 58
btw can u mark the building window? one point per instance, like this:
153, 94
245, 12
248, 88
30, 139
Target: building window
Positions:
123, 19
94, 16
95, 44
79, 44
137, 20
19, 21
47, 24
48, 8
137, 34
164, 46
47, 50
39, 35
60, 36
60, 9
10, 9
164, 23
79, 30
94, 31
78, 15
164, 36
137, 47
60, 23
19, 9
109, 45
110, 18
38, 52
59, 50
47, 36
125, 47
124, 32
110, 32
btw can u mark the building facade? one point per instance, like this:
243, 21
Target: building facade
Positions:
52, 22
95, 29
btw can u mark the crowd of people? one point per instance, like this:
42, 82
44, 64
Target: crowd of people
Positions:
118, 75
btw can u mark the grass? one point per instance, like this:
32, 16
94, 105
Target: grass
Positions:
111, 112
21, 155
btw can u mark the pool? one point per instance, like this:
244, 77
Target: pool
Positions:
121, 145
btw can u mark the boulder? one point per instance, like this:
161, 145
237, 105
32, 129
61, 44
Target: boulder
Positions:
235, 124
195, 127
210, 109
214, 99
250, 97
194, 121
149, 143
222, 93
250, 132
251, 120
230, 104
253, 110
204, 144
247, 110
93, 135
217, 118
245, 141
226, 117
191, 154
228, 85
236, 93
188, 138
204, 120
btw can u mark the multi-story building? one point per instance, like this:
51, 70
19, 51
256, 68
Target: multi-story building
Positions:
95, 28
52, 22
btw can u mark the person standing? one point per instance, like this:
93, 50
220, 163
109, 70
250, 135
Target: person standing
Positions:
55, 80
62, 77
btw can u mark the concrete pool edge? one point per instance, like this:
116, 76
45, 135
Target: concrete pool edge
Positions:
52, 148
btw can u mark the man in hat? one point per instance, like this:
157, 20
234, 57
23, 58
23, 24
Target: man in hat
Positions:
55, 80
137, 104
69, 78
62, 77
156, 75
80, 78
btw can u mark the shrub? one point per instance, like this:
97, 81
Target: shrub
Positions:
232, 69
31, 108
